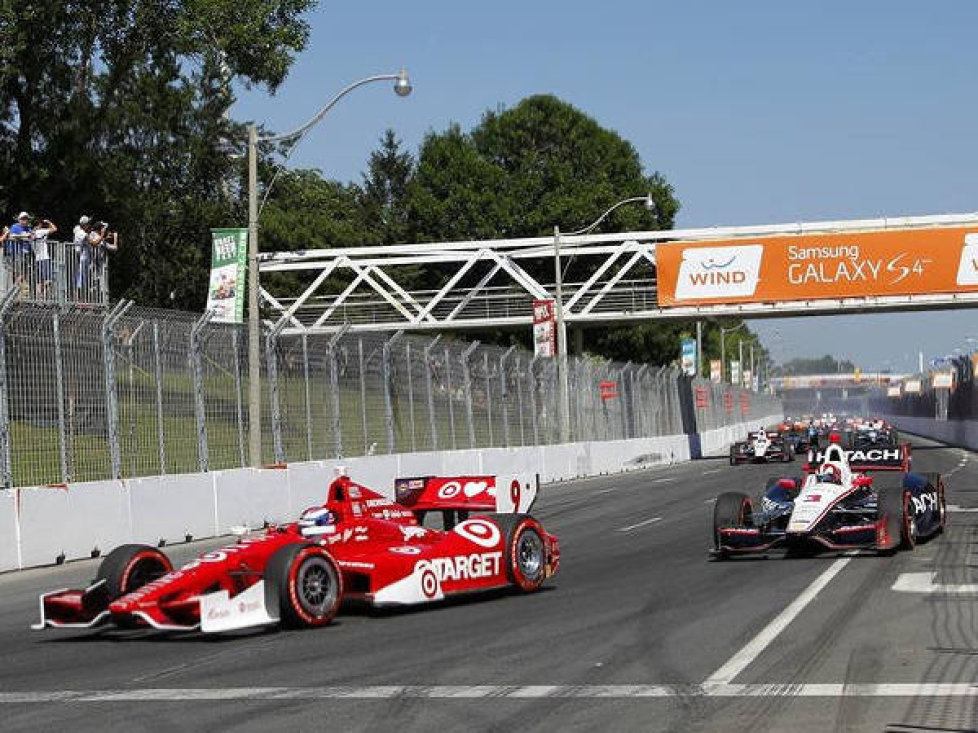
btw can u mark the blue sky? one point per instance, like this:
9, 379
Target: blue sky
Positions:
756, 112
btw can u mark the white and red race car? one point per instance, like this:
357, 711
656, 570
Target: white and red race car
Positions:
359, 545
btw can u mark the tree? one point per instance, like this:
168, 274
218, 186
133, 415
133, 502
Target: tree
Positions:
119, 110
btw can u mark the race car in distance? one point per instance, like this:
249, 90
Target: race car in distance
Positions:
867, 450
831, 508
358, 545
761, 446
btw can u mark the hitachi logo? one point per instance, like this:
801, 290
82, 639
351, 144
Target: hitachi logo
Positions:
734, 277
874, 455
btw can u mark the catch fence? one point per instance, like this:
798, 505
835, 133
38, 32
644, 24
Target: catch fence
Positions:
89, 394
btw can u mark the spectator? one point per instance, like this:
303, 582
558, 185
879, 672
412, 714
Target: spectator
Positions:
17, 250
42, 257
100, 241
80, 240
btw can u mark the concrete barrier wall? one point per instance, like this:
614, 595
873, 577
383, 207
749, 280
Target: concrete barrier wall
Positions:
40, 525
963, 433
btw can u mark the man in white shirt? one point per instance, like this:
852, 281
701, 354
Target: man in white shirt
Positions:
42, 257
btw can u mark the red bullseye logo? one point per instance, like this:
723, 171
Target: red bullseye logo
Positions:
450, 490
480, 531
429, 583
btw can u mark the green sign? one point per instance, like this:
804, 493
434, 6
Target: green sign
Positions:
226, 292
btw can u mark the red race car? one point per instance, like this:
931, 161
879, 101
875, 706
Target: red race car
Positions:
358, 545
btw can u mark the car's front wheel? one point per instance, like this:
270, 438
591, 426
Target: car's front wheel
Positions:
130, 567
307, 584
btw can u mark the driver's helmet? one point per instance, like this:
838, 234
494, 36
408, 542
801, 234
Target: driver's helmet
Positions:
316, 521
829, 474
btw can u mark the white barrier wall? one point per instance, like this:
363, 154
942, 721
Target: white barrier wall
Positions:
9, 531
962, 433
38, 525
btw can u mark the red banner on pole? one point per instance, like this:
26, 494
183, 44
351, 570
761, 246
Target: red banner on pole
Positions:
544, 328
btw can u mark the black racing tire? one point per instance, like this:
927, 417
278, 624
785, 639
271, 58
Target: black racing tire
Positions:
937, 481
305, 583
892, 505
731, 509
733, 455
130, 567
526, 552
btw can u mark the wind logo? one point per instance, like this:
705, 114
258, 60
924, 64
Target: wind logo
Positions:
719, 272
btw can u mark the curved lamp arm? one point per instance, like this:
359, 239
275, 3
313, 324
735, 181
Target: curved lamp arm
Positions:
649, 204
402, 87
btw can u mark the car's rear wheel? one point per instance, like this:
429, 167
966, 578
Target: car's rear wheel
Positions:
733, 455
891, 510
307, 584
908, 527
731, 509
526, 553
130, 567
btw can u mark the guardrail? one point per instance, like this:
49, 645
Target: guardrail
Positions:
54, 272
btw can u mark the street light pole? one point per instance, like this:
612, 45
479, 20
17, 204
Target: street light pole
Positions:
402, 87
563, 385
254, 365
723, 347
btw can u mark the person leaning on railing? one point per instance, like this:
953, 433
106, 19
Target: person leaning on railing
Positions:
17, 251
43, 228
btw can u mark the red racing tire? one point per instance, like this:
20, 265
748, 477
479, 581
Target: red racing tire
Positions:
307, 583
129, 567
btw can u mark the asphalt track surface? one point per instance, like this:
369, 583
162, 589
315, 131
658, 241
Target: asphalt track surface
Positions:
640, 631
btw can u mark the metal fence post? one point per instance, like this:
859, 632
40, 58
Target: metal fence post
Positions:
6, 467
533, 399
410, 385
133, 449
624, 400
503, 391
451, 397
111, 393
197, 365
643, 428
60, 387
485, 367
363, 396
305, 379
387, 376
158, 370
467, 387
271, 359
519, 401
334, 388
432, 425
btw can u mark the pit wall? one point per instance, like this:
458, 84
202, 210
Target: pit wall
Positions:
45, 525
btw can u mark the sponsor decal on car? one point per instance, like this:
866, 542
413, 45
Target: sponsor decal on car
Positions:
873, 455
924, 502
467, 567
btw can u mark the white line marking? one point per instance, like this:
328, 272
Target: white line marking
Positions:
640, 524
712, 470
962, 509
663, 480
924, 583
739, 661
483, 692
604, 491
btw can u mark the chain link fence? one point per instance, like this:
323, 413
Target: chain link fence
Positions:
88, 394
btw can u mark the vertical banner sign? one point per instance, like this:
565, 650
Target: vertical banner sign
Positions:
735, 372
544, 328
608, 390
702, 397
226, 292
747, 379
728, 402
688, 357
744, 404
715, 370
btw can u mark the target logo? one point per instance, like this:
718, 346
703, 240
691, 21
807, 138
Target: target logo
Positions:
429, 581
480, 531
405, 550
450, 490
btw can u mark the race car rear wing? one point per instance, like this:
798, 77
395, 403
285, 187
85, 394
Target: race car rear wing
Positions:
889, 458
507, 494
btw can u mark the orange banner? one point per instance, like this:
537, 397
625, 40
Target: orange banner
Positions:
814, 266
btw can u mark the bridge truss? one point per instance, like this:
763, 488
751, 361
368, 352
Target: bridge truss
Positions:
608, 278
